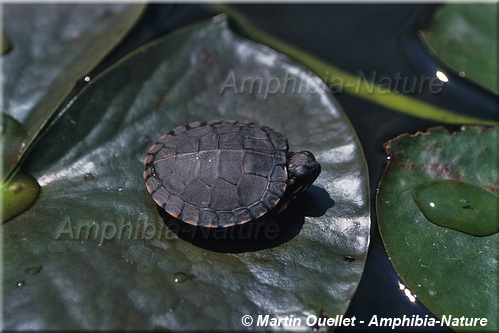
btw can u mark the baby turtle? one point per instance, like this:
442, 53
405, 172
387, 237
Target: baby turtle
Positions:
224, 173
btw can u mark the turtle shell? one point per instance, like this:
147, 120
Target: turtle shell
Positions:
218, 173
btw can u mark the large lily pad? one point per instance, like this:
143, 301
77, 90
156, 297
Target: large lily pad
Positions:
447, 263
95, 251
464, 36
54, 46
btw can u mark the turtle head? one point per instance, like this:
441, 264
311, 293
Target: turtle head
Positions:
303, 170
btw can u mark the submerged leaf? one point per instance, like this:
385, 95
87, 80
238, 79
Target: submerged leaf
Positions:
449, 270
465, 37
459, 206
112, 258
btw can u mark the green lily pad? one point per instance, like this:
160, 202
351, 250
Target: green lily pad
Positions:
54, 46
110, 258
464, 36
448, 263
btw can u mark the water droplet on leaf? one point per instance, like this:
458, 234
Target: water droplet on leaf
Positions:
20, 283
181, 277
33, 270
459, 206
18, 194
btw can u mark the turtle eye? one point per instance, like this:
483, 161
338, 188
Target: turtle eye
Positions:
301, 171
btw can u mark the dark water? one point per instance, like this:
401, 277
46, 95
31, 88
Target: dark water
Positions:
373, 39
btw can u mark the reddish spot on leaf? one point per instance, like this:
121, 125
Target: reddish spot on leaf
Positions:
408, 166
434, 145
493, 187
438, 170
